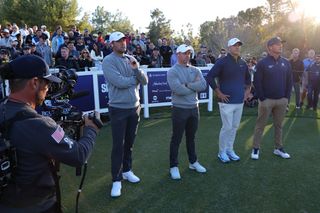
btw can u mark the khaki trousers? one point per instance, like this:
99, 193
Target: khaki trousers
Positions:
278, 109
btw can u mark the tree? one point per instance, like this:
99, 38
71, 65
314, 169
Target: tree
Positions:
107, 22
100, 19
38, 12
84, 22
159, 27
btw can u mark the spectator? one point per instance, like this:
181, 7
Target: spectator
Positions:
67, 61
150, 48
107, 48
140, 55
138, 42
80, 45
45, 31
96, 55
75, 31
222, 54
35, 39
165, 52
26, 50
44, 49
85, 61
88, 40
15, 50
100, 38
33, 50
72, 50
297, 71
306, 63
15, 35
155, 59
28, 39
71, 36
212, 59
174, 57
65, 44
5, 41
57, 41
200, 61
4, 56
314, 83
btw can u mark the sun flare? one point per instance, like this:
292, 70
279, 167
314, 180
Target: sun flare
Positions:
309, 8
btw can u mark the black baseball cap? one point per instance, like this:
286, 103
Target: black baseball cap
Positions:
275, 40
30, 66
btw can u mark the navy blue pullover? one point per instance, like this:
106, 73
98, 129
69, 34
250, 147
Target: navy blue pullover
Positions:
273, 78
232, 77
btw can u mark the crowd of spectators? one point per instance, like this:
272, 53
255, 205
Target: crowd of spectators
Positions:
81, 50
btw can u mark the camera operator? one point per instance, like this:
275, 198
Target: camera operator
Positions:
38, 140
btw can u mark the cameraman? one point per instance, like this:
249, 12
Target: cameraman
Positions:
38, 140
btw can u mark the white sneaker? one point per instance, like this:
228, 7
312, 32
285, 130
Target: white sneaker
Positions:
131, 177
223, 157
175, 174
280, 152
255, 154
233, 156
116, 189
197, 166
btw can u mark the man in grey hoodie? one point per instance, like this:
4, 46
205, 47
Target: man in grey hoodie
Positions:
185, 82
123, 78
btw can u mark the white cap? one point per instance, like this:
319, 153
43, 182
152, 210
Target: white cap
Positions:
6, 31
116, 36
233, 41
43, 26
183, 48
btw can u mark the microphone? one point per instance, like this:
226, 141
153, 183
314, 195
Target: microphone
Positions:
79, 94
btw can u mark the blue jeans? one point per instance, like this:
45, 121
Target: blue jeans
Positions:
124, 125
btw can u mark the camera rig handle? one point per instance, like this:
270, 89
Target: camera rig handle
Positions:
96, 119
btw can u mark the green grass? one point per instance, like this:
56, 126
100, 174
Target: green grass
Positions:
268, 185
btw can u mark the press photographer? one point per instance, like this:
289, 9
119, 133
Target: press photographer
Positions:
38, 140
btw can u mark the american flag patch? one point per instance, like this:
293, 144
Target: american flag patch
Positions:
58, 134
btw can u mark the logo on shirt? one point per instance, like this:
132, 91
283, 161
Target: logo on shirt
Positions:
58, 134
69, 142
270, 66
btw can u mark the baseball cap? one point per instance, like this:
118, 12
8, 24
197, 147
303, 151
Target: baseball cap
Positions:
233, 41
183, 48
275, 40
29, 66
6, 31
26, 47
116, 36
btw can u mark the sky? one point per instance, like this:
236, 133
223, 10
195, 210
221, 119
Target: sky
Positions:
180, 12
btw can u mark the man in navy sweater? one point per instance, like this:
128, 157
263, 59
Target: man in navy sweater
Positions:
273, 84
233, 88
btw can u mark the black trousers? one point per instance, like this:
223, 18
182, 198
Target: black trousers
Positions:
183, 120
124, 125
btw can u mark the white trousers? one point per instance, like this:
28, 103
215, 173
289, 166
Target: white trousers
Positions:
230, 116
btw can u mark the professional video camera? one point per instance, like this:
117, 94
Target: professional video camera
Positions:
57, 104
